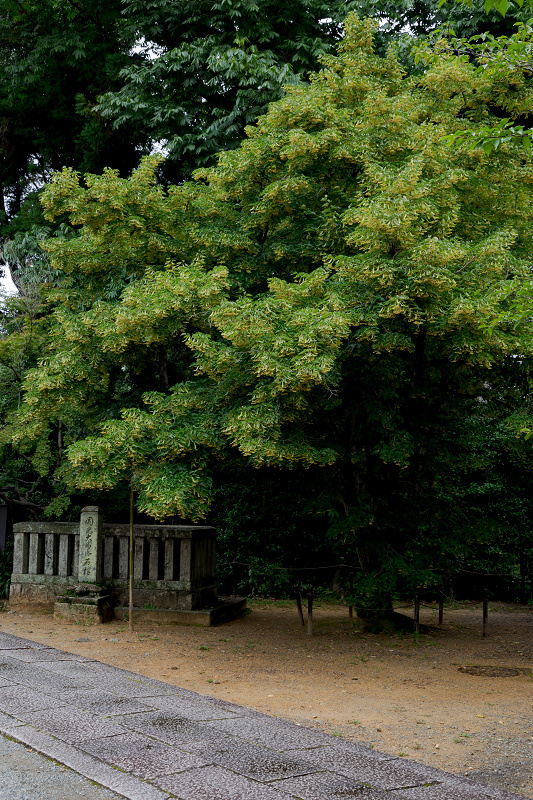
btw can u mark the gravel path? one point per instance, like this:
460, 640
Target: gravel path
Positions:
150, 740
389, 692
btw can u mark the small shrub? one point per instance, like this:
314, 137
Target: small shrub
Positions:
6, 567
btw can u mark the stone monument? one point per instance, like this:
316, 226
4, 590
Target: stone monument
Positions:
88, 601
91, 532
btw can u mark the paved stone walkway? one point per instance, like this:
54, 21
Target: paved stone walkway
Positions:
27, 775
148, 740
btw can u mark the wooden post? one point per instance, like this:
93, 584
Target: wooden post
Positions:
299, 605
441, 611
523, 576
350, 612
485, 614
130, 609
310, 611
417, 613
452, 593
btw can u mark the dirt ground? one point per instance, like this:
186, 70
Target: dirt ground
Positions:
398, 694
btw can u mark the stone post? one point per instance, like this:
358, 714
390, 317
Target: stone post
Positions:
90, 559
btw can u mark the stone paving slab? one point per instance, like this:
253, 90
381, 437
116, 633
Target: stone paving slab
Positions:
72, 669
490, 791
104, 703
270, 732
191, 709
328, 786
10, 665
216, 783
16, 698
379, 770
148, 740
45, 682
34, 677
170, 728
116, 673
70, 724
252, 761
118, 681
130, 687
127, 684
143, 756
456, 791
41, 654
8, 641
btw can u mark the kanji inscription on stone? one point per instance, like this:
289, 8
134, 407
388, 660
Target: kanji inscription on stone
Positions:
90, 563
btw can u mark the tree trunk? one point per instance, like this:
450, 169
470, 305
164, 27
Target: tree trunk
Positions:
59, 443
163, 369
523, 577
375, 611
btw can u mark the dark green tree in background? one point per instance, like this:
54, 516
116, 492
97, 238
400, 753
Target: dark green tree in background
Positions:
56, 59
211, 68
94, 85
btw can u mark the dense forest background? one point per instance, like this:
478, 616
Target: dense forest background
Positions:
303, 330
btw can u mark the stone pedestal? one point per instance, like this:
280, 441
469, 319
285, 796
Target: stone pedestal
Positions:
227, 609
91, 532
85, 603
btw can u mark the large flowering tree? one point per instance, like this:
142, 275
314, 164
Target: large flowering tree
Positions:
320, 298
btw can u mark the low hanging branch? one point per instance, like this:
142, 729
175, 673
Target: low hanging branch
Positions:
21, 499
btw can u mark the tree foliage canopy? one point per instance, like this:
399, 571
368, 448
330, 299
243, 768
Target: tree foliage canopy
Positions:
210, 68
55, 60
207, 69
317, 299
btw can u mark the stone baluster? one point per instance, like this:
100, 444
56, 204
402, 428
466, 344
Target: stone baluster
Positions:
75, 557
169, 560
20, 554
109, 550
124, 558
186, 560
153, 564
35, 560
138, 558
66, 545
51, 549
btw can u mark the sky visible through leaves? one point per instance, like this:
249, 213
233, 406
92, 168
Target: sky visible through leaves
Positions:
6, 284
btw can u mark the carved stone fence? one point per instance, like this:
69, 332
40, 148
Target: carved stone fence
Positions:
174, 565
